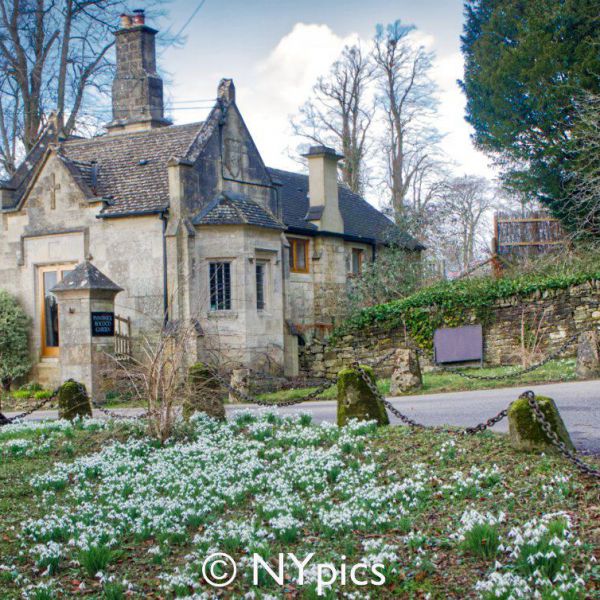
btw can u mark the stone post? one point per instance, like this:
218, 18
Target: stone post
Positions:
407, 372
240, 380
588, 355
86, 304
356, 400
527, 434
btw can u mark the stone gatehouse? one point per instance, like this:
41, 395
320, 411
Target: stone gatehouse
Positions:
187, 220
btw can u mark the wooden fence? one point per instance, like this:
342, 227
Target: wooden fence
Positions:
525, 236
122, 338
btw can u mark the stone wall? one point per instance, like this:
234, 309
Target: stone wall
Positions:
554, 314
318, 299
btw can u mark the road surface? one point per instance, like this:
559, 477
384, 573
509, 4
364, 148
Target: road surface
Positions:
578, 402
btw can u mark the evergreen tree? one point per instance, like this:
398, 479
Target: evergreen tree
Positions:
526, 65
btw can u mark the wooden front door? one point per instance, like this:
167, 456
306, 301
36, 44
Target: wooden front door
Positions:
48, 278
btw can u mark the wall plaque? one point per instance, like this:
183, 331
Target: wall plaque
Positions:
458, 344
103, 324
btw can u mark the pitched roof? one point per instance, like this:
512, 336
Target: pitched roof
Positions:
85, 276
129, 173
361, 219
25, 172
131, 167
229, 208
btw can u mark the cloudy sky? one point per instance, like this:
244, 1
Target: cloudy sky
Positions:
275, 49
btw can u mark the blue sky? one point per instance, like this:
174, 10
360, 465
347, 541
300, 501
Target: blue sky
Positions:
274, 51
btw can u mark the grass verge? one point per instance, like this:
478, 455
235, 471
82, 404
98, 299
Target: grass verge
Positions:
437, 381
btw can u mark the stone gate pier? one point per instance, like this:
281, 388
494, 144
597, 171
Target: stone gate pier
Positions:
86, 318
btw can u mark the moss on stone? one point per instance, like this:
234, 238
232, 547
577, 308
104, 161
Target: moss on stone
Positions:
73, 401
356, 400
527, 434
204, 393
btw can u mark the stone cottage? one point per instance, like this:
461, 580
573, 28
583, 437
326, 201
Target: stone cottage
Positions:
187, 220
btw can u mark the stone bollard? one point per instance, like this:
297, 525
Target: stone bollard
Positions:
527, 434
356, 400
204, 393
588, 355
73, 401
240, 380
406, 375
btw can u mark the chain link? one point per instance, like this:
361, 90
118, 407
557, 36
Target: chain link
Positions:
531, 399
115, 415
553, 436
4, 420
489, 423
106, 411
372, 385
243, 396
529, 369
8, 420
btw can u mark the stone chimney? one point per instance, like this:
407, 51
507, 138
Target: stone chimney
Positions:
137, 91
226, 91
324, 209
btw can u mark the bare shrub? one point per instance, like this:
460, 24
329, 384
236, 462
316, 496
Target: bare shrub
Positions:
532, 321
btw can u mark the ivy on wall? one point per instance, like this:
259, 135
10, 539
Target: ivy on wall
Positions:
455, 303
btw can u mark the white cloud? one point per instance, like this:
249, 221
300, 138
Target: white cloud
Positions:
273, 89
457, 144
282, 82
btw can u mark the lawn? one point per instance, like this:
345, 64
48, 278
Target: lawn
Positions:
444, 381
95, 509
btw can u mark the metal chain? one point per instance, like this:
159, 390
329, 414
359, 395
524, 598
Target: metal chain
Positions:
531, 399
108, 413
553, 436
115, 415
489, 423
8, 420
380, 397
529, 369
240, 395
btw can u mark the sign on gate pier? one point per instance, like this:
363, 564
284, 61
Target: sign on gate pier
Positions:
103, 324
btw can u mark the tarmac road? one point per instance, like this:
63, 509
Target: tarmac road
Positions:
578, 402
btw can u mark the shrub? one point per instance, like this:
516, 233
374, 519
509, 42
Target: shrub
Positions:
14, 344
114, 591
544, 553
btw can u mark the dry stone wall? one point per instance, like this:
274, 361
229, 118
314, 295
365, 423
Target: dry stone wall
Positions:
550, 317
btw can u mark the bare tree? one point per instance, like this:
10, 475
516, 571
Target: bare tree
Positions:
407, 98
462, 216
582, 206
339, 114
54, 56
